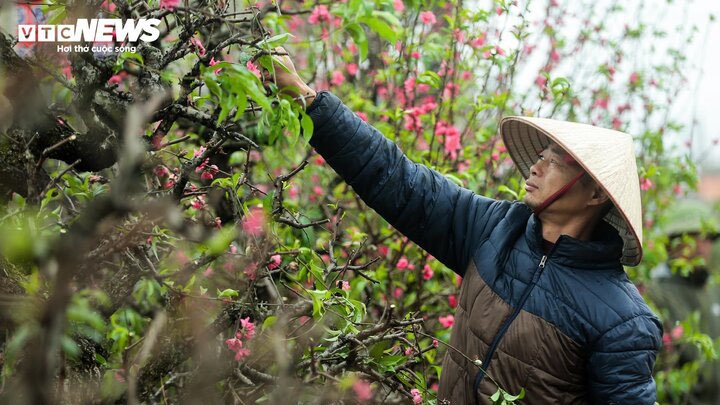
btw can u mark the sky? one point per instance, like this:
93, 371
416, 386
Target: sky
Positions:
698, 101
703, 98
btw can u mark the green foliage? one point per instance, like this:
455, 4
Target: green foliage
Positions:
246, 245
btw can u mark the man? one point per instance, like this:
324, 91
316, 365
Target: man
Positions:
683, 286
545, 303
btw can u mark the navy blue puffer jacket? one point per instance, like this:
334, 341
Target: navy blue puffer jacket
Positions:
567, 326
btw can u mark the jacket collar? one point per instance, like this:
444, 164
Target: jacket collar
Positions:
604, 250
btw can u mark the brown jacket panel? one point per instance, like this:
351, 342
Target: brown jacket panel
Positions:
533, 354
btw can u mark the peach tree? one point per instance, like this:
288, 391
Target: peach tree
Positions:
167, 234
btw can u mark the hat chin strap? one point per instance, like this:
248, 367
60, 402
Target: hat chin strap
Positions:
540, 208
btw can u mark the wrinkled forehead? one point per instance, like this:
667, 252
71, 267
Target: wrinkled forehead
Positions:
560, 152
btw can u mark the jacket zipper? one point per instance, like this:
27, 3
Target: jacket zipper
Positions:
506, 325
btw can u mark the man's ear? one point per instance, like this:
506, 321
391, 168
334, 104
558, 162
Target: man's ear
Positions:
599, 196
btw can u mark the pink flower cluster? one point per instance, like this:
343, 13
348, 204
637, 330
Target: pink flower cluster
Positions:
412, 118
675, 334
246, 332
363, 391
253, 69
161, 172
338, 78
254, 221
199, 202
446, 321
497, 51
403, 264
450, 138
416, 396
251, 271
646, 184
478, 42
169, 4
319, 13
274, 262
199, 48
428, 18
427, 272
208, 172
213, 62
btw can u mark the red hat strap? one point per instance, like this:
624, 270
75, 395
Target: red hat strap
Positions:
558, 194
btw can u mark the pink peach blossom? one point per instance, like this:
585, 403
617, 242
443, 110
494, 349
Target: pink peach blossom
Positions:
352, 69
416, 396
169, 4
362, 389
645, 184
274, 262
247, 328
427, 272
253, 68
428, 18
318, 14
254, 221
198, 46
446, 321
251, 271
337, 78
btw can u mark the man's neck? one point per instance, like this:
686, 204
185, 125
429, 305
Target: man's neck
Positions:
555, 225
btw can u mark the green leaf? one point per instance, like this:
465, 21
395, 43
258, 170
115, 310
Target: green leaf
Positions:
58, 17
389, 17
455, 180
505, 189
14, 345
358, 35
228, 293
269, 322
221, 240
120, 61
509, 397
307, 125
274, 41
253, 87
69, 347
318, 306
430, 78
101, 360
317, 273
381, 27
391, 362
225, 107
212, 86
353, 8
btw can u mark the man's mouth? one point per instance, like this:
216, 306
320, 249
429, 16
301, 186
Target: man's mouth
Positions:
530, 186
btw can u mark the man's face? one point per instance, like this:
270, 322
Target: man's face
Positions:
552, 171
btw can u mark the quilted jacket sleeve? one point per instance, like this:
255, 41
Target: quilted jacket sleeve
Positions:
442, 218
621, 364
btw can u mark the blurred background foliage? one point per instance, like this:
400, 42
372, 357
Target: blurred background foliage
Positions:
166, 233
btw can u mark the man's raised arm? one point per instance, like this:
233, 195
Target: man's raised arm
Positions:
432, 211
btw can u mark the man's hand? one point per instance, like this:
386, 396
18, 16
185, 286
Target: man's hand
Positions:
288, 80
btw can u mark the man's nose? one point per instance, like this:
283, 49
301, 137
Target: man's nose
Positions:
535, 168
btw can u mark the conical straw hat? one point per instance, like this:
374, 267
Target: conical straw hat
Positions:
606, 155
